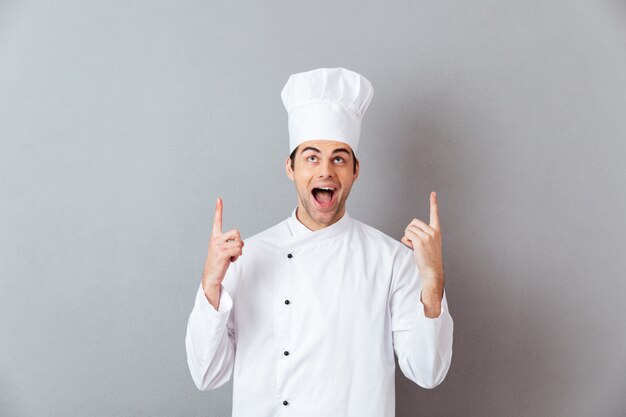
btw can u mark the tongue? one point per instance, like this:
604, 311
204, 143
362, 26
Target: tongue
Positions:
322, 196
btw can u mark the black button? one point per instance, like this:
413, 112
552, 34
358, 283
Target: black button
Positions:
286, 353
289, 256
285, 402
286, 301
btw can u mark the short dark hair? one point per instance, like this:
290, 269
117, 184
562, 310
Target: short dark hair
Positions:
292, 158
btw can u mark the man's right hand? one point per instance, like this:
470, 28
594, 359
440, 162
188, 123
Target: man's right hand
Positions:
224, 248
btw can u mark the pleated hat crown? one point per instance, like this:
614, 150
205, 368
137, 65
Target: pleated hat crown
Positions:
326, 104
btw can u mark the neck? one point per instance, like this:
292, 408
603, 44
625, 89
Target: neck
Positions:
311, 224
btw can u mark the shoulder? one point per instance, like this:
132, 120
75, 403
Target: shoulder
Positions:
371, 235
271, 235
257, 252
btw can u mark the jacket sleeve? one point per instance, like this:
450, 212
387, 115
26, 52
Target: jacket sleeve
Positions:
210, 341
423, 345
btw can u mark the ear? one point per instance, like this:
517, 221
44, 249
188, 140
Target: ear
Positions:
288, 169
356, 171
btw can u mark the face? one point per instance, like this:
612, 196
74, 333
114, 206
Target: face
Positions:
323, 174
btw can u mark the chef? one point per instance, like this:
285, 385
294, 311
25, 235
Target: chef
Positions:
308, 317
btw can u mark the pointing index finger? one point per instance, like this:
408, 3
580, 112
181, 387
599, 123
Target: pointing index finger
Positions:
434, 211
217, 220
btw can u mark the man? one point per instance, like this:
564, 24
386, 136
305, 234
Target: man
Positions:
308, 320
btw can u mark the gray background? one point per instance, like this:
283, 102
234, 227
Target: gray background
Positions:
121, 122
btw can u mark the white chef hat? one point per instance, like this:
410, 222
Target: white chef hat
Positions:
326, 104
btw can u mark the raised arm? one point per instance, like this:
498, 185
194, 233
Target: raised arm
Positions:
422, 337
210, 340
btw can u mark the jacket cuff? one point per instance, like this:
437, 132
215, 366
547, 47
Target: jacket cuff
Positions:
225, 304
444, 308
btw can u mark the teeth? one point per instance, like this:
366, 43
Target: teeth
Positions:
327, 188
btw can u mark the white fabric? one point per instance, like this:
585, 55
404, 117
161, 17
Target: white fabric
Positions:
326, 103
354, 299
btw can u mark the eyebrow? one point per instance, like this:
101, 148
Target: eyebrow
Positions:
338, 150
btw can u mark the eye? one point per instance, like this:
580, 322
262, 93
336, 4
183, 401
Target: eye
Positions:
309, 158
339, 158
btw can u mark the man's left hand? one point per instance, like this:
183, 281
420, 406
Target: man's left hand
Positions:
425, 240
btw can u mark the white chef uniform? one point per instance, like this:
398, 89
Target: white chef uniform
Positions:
309, 322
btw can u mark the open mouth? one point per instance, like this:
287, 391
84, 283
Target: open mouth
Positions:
323, 196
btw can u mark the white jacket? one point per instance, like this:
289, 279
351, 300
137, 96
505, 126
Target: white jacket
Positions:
309, 322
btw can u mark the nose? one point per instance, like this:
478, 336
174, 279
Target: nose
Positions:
326, 169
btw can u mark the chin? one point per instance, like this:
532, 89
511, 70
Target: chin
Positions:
320, 217
325, 217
